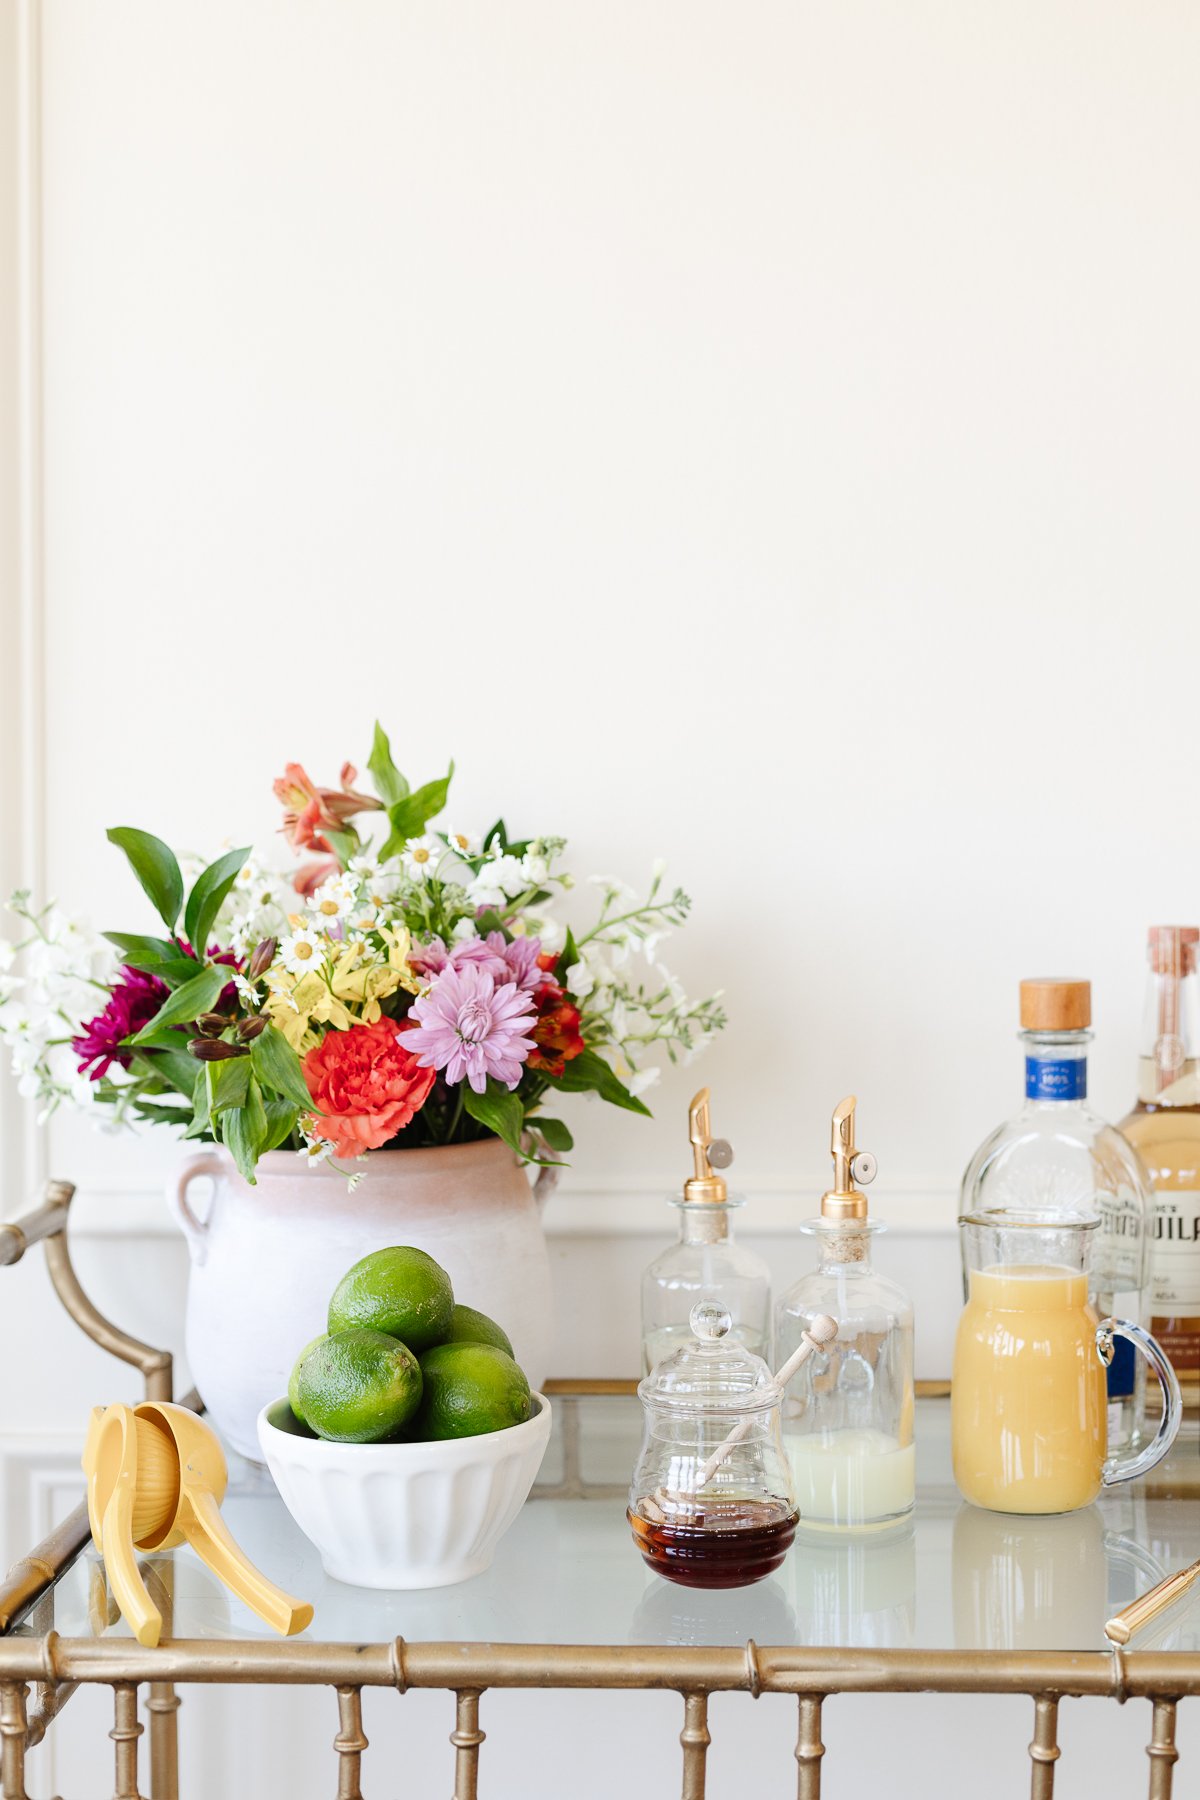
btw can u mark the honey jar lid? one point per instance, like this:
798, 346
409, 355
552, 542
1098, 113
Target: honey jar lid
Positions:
1054, 1003
711, 1372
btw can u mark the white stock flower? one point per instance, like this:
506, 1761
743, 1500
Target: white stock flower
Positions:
301, 951
641, 1080
464, 931
551, 932
497, 881
421, 857
7, 953
535, 868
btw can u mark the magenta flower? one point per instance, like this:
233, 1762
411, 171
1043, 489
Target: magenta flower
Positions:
132, 1004
467, 1025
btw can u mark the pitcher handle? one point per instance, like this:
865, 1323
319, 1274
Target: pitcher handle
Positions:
1128, 1468
204, 1162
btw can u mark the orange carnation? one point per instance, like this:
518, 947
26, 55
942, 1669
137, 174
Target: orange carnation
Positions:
366, 1085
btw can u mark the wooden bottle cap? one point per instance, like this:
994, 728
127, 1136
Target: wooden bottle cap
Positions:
1173, 949
1052, 1003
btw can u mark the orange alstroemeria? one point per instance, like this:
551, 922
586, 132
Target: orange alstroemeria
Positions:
310, 810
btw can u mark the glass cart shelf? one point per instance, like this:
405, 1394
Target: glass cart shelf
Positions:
951, 1578
954, 1600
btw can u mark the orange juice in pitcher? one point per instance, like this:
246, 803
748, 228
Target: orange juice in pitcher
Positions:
1028, 1401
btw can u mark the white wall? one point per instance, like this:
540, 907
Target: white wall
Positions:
761, 436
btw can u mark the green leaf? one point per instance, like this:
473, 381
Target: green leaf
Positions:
409, 817
344, 844
281, 1118
169, 1038
200, 1112
590, 1072
390, 784
497, 835
187, 1002
230, 1083
208, 896
498, 1109
154, 956
277, 1066
143, 952
174, 1066
568, 956
155, 867
554, 1132
244, 1129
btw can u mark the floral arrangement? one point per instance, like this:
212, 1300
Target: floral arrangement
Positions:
419, 992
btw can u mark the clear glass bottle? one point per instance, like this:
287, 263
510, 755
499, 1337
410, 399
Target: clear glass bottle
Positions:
705, 1263
711, 1502
1164, 1128
848, 1412
1057, 1158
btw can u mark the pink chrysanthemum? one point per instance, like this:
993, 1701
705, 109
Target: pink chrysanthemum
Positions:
467, 1025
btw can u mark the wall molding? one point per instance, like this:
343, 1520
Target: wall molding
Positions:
109, 1210
23, 856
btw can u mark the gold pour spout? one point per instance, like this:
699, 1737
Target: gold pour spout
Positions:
708, 1153
850, 1165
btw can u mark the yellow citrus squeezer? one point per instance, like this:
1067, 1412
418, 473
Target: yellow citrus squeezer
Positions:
156, 1478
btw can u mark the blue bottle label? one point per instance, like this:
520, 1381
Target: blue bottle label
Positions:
1046, 1080
1122, 1370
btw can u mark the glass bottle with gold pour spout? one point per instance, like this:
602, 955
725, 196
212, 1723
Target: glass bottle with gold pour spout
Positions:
848, 1413
705, 1263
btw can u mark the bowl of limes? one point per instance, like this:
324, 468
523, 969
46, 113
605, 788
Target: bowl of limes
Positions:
409, 1439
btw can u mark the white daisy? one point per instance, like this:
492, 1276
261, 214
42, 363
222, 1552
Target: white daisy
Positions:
248, 877
463, 843
301, 951
333, 900
420, 857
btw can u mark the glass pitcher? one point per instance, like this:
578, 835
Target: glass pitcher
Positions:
712, 1503
1028, 1401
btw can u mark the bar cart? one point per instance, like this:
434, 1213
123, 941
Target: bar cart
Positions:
840, 1619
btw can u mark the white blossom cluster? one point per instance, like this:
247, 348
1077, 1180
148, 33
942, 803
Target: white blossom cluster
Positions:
53, 977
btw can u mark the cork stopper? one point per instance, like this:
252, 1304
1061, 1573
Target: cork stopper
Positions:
1052, 1003
1173, 949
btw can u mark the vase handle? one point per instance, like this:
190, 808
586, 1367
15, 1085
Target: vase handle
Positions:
204, 1162
547, 1181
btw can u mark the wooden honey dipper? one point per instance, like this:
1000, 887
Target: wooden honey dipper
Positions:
822, 1331
156, 1478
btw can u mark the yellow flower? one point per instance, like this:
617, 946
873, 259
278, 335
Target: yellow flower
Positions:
345, 993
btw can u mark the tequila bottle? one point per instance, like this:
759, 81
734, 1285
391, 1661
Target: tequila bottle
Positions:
705, 1263
1056, 1158
1164, 1128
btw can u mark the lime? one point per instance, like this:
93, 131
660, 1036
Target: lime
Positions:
470, 1327
294, 1377
359, 1387
400, 1291
470, 1389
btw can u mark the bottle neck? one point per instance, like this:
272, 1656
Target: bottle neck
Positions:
1055, 1067
1168, 1065
705, 1222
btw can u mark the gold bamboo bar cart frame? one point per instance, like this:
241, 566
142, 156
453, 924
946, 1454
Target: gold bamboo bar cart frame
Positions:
57, 1666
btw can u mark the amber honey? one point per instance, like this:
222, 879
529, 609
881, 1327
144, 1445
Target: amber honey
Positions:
735, 1543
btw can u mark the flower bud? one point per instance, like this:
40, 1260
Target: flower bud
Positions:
212, 1024
252, 1028
263, 957
214, 1050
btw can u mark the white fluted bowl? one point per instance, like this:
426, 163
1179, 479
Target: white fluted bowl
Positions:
404, 1515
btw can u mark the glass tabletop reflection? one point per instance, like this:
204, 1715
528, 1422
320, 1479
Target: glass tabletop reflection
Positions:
567, 1572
